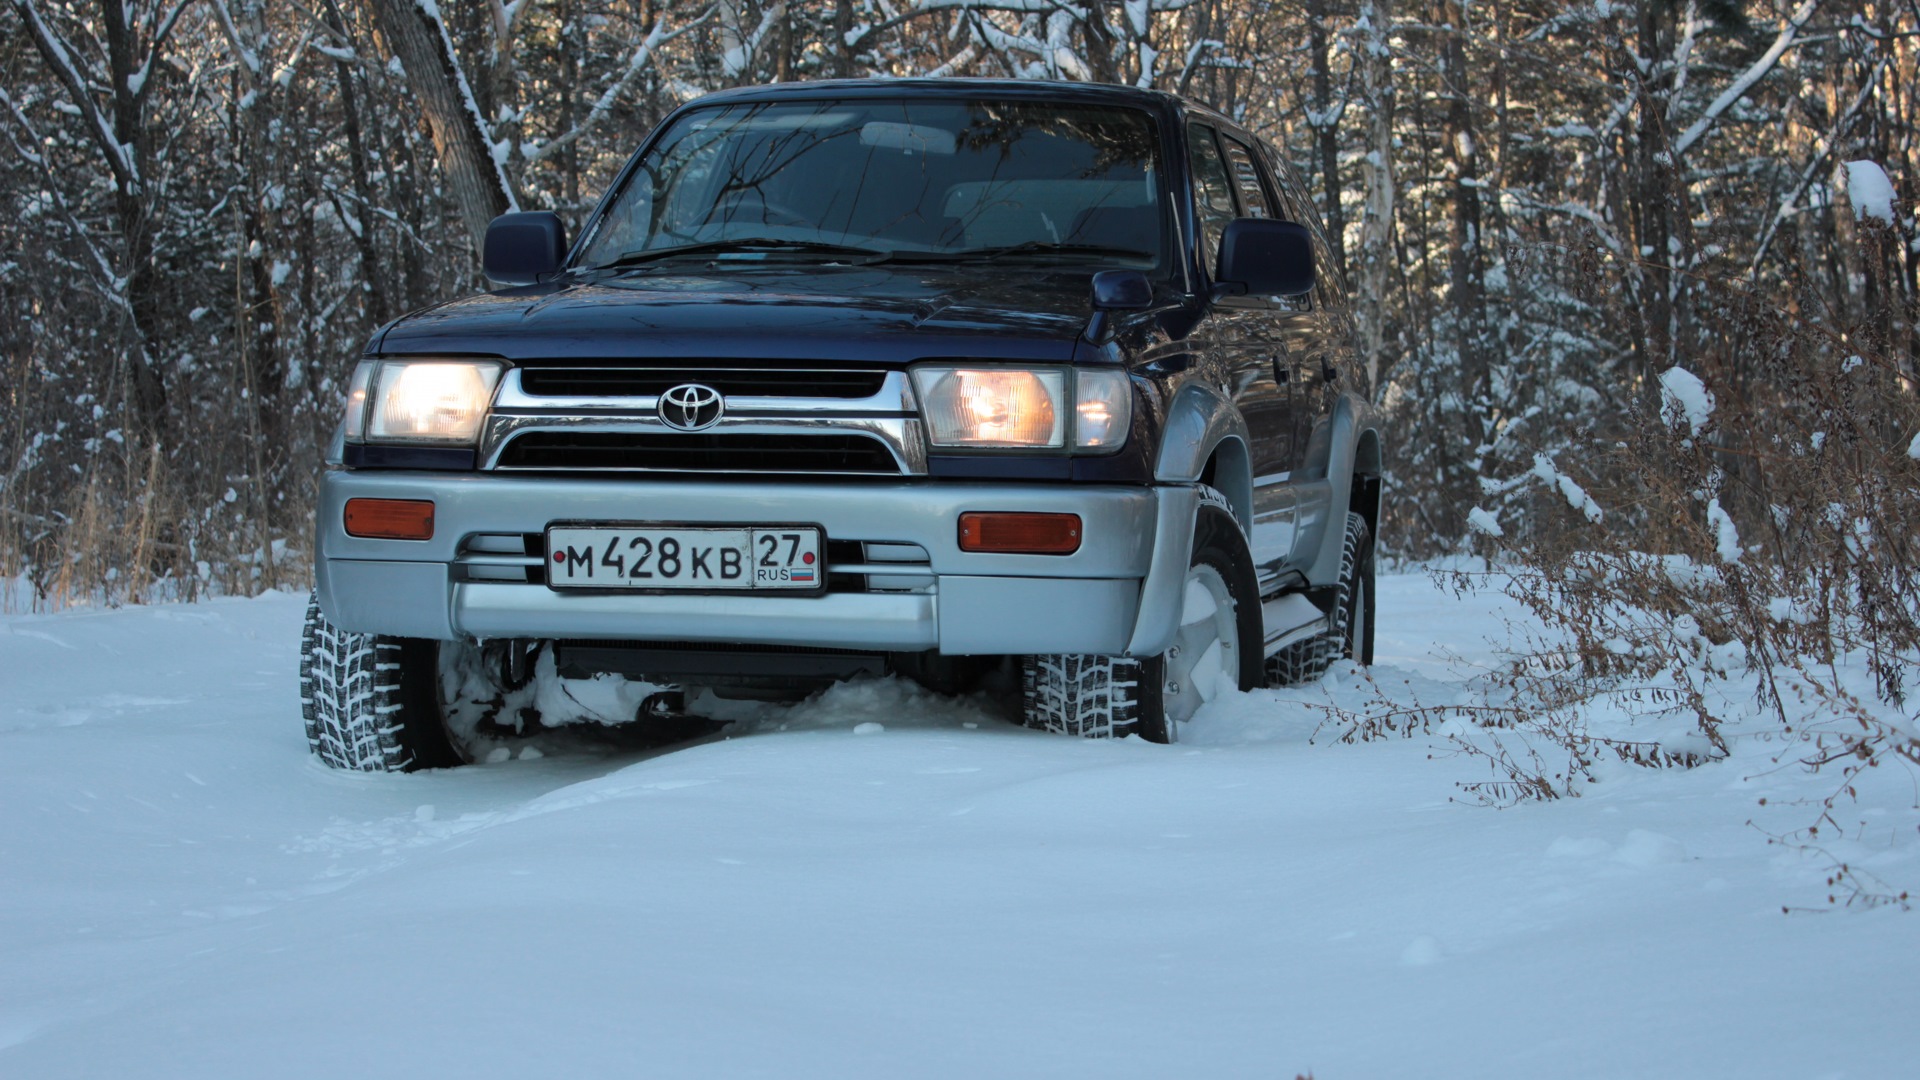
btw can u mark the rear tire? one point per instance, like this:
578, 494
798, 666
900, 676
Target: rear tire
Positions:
371, 703
1349, 634
1111, 697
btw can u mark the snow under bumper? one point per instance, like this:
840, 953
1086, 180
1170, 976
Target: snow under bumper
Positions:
1118, 594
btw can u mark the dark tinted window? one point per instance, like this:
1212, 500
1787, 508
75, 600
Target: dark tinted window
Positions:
1293, 203
1212, 192
1246, 175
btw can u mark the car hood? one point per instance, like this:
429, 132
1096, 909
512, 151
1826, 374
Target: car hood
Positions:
873, 314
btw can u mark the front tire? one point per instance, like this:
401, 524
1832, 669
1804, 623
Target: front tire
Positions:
371, 702
1216, 647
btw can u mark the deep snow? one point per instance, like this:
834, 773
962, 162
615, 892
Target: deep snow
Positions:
881, 883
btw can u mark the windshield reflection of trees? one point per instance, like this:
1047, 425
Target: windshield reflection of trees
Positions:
1015, 173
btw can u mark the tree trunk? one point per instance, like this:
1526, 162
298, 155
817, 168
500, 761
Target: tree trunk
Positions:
1650, 183
126, 159
1326, 133
1376, 221
373, 283
477, 181
1466, 254
842, 26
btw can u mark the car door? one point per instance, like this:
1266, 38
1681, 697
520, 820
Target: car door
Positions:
1268, 399
1317, 330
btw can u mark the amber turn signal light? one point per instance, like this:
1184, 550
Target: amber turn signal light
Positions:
1020, 534
390, 519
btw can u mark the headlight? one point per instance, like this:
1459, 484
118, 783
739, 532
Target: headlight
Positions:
420, 401
993, 407
1023, 408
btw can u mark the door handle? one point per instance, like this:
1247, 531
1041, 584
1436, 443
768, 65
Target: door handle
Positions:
1282, 371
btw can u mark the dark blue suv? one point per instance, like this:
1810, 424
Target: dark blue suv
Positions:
935, 377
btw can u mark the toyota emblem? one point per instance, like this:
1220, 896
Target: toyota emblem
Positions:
690, 407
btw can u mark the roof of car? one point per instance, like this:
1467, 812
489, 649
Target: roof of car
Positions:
1021, 88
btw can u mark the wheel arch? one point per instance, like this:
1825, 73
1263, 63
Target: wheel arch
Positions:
1368, 468
1229, 471
1353, 471
1206, 441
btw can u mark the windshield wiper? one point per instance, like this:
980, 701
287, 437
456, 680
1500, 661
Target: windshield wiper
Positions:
746, 245
1029, 248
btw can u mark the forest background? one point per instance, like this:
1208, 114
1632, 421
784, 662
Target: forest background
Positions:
1639, 274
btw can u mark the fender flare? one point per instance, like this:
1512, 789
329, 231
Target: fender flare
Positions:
1201, 422
1342, 460
1202, 425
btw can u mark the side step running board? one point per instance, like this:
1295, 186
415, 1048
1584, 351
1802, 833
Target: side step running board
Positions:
1291, 617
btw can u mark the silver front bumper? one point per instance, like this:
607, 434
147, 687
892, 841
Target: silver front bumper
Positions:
1119, 593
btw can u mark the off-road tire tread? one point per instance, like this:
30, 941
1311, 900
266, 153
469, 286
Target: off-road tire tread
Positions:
1111, 697
351, 697
1092, 697
1305, 661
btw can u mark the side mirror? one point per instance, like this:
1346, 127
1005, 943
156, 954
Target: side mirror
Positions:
524, 248
1121, 290
1115, 290
1266, 257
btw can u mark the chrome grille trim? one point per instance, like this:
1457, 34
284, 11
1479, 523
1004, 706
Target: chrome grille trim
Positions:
631, 379
894, 398
888, 416
901, 436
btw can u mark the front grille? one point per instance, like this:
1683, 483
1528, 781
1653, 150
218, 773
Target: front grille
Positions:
649, 381
701, 452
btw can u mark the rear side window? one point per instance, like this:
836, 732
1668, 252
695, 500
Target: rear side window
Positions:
1246, 176
1212, 192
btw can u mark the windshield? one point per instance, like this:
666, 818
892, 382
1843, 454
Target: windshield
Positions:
928, 180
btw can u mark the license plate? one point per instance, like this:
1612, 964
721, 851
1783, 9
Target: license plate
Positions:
685, 557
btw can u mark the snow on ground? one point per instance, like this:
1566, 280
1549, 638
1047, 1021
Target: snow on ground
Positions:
884, 883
